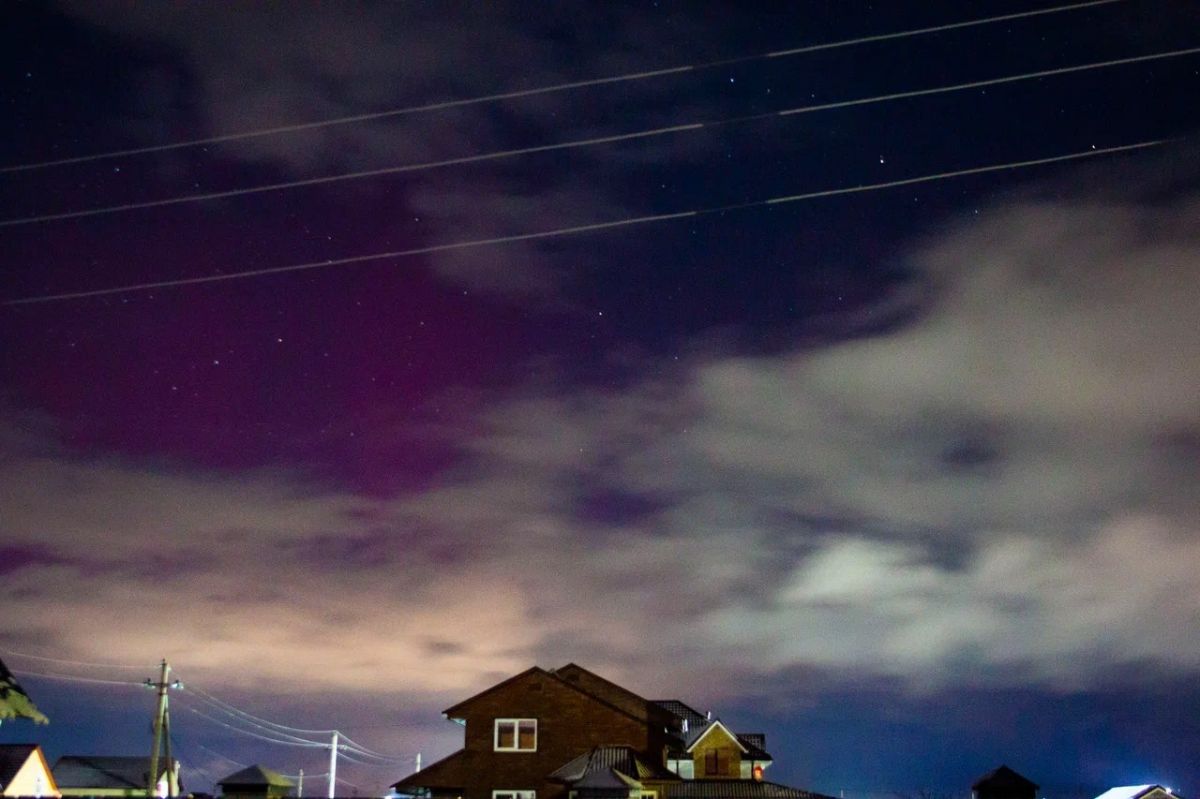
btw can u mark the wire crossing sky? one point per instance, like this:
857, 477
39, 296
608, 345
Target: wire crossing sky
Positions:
382, 351
559, 87
577, 229
590, 142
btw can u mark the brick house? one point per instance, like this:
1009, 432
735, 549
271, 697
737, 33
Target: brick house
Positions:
568, 733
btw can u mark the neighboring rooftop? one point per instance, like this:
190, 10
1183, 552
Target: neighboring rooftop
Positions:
101, 771
258, 776
12, 757
603, 759
683, 711
1003, 777
736, 789
1136, 792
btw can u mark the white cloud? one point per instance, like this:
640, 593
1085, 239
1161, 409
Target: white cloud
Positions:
1002, 489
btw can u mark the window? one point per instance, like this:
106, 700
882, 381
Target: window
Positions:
716, 763
516, 735
508, 793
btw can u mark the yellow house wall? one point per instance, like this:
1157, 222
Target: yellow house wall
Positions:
25, 781
718, 740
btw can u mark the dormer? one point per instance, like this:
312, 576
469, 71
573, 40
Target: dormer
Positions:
716, 752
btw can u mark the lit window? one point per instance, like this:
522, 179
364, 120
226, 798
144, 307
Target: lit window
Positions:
516, 735
511, 794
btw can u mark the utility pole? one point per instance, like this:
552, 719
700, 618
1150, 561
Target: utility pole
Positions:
300, 786
162, 724
333, 747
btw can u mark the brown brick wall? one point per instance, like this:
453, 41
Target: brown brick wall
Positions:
569, 724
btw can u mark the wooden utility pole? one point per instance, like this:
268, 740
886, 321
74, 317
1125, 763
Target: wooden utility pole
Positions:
162, 725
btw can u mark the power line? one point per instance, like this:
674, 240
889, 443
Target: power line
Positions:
344, 756
240, 731
226, 758
264, 727
66, 662
230, 708
558, 87
74, 678
566, 231
277, 729
372, 753
588, 142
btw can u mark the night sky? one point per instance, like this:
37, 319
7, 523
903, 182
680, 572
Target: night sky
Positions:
905, 478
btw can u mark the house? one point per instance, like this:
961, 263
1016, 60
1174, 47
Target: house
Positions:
94, 775
1003, 783
1139, 792
24, 772
256, 782
568, 733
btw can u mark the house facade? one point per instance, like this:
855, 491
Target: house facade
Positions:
568, 733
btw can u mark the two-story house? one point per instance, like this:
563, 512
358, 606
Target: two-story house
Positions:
568, 733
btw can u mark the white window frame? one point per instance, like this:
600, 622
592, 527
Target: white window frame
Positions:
514, 793
516, 747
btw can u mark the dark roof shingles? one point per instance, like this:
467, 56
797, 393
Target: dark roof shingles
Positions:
736, 789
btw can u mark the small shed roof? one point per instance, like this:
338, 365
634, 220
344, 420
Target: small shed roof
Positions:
1003, 777
259, 776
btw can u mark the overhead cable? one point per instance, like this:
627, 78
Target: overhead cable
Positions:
575, 229
558, 87
248, 733
370, 752
66, 662
74, 678
262, 727
192, 688
588, 142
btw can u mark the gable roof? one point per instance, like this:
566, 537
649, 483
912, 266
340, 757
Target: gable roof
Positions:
99, 771
456, 708
453, 711
1003, 777
259, 776
695, 736
610, 692
12, 758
